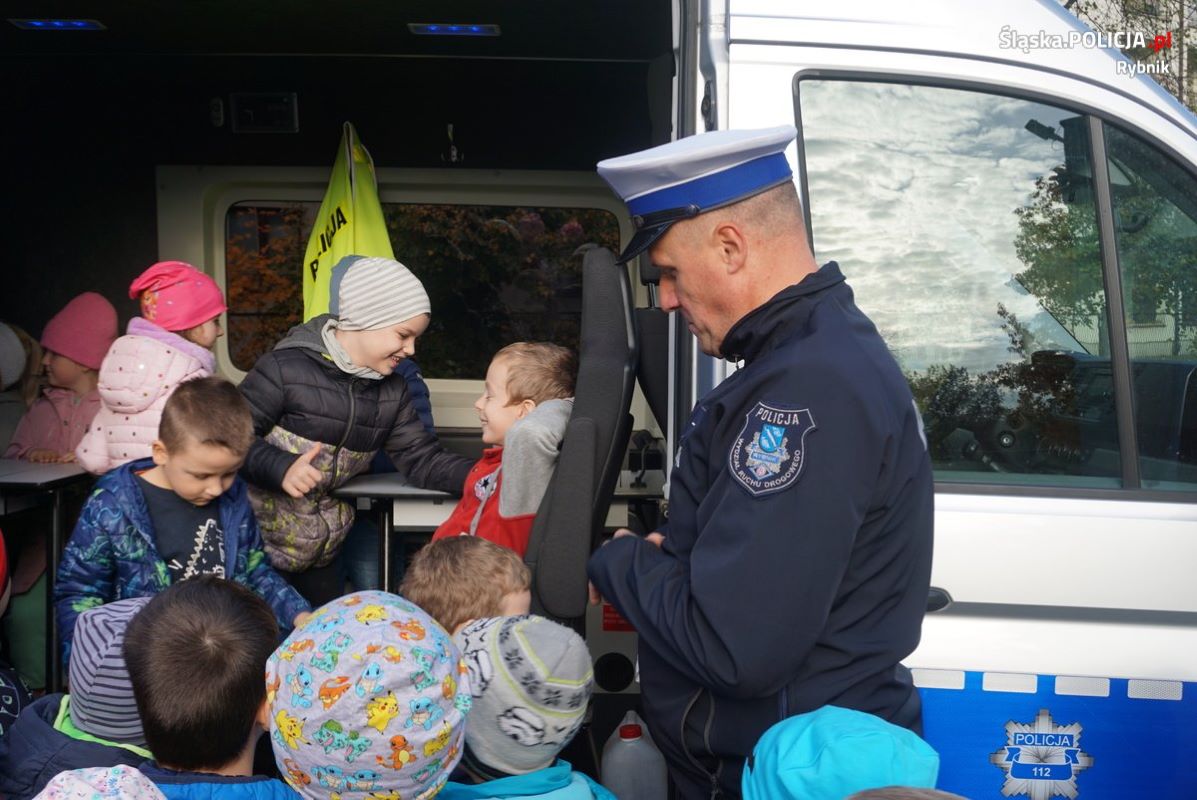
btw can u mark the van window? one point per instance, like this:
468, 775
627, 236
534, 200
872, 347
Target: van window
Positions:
494, 275
969, 234
1155, 208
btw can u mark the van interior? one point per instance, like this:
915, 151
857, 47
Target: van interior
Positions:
92, 113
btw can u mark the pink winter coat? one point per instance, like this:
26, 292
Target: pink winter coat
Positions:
56, 421
137, 376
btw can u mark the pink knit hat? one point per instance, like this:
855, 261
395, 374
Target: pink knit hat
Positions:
83, 330
176, 296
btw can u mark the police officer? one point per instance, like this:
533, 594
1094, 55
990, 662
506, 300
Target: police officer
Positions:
793, 570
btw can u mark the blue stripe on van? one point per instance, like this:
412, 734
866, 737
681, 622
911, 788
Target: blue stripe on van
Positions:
1137, 741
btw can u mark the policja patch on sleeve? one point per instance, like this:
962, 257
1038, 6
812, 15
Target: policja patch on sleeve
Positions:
769, 453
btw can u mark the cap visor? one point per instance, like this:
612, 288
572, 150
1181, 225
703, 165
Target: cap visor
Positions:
641, 241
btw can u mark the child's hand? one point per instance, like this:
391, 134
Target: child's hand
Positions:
301, 476
43, 455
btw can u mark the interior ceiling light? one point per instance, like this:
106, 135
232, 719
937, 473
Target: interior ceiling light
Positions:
452, 29
58, 24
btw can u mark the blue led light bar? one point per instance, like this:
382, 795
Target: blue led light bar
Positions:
452, 29
58, 24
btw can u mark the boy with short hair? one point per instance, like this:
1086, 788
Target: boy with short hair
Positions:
524, 408
531, 680
368, 697
181, 513
196, 655
96, 725
463, 578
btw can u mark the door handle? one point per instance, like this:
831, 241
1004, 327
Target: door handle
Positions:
937, 599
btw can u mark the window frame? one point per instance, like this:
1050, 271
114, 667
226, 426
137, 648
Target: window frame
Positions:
1120, 362
187, 194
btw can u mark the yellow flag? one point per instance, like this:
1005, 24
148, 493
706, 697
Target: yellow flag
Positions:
349, 222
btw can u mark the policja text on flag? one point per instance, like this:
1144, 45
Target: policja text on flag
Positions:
349, 222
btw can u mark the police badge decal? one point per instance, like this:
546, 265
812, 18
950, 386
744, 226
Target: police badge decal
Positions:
769, 452
1041, 759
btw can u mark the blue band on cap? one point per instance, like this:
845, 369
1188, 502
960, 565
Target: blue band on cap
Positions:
717, 189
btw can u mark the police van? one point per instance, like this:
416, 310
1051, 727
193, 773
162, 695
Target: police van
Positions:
1014, 207
1012, 200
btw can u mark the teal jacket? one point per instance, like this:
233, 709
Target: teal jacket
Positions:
558, 782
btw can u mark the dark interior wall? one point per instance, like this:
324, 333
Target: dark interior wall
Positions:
83, 135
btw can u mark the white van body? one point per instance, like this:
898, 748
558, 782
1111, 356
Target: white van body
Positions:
1065, 663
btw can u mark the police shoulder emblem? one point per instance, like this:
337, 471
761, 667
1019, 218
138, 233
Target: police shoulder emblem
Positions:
769, 453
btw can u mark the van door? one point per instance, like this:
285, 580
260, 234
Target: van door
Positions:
1026, 242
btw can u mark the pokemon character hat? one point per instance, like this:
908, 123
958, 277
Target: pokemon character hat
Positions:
682, 179
369, 697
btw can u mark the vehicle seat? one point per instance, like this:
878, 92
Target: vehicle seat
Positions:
570, 519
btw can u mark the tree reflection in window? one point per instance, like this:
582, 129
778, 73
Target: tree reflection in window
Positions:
972, 243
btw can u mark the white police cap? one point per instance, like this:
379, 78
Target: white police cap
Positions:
685, 178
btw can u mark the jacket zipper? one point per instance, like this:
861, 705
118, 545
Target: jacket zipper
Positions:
345, 435
716, 791
336, 461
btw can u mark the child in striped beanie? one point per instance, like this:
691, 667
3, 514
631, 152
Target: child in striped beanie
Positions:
96, 725
325, 400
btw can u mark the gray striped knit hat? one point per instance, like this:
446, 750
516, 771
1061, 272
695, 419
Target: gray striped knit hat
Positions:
102, 701
367, 292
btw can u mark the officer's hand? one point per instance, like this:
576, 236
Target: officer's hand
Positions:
652, 538
591, 590
301, 619
301, 476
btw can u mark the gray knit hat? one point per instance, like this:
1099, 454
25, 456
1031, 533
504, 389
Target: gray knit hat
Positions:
531, 679
102, 701
12, 357
368, 292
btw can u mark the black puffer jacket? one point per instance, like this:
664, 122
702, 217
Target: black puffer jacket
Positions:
299, 397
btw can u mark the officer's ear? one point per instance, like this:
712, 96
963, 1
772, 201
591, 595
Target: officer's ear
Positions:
732, 245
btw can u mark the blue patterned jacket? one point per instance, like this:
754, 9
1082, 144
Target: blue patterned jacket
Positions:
113, 553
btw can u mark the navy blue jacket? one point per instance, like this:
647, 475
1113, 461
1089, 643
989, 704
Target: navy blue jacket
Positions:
417, 390
33, 751
113, 553
421, 398
797, 556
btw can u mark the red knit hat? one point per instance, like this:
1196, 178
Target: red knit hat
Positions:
83, 330
177, 296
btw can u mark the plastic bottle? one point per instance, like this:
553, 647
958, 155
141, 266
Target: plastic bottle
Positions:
633, 768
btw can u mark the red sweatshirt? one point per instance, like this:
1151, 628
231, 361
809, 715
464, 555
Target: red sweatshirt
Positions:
477, 513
